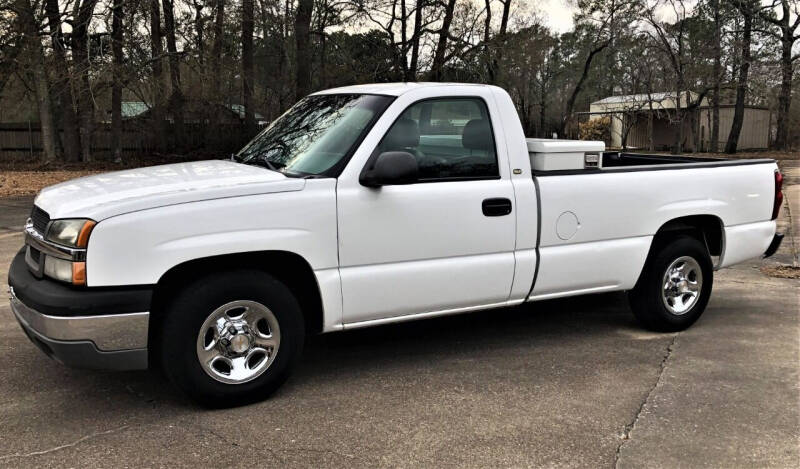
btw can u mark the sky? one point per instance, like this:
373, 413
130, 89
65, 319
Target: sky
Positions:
557, 14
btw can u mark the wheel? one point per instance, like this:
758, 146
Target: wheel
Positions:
232, 338
675, 285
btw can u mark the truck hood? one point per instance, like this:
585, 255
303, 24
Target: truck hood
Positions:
110, 194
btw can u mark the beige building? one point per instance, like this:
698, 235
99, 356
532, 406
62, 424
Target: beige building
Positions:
630, 116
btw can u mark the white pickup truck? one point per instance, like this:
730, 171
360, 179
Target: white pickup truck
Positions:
368, 205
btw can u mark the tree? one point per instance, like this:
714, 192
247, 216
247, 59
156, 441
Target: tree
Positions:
29, 29
788, 32
216, 51
599, 21
176, 94
746, 8
302, 25
717, 76
441, 46
64, 99
83, 11
157, 85
248, 77
116, 92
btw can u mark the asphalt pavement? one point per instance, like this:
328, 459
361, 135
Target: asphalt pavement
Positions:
563, 383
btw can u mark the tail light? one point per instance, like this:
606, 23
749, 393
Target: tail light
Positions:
776, 207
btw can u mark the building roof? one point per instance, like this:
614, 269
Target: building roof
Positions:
390, 89
659, 100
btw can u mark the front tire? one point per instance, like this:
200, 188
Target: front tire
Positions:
675, 285
232, 338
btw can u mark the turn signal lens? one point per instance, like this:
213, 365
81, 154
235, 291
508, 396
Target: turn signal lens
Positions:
79, 273
83, 236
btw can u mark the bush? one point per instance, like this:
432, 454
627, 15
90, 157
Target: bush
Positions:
595, 129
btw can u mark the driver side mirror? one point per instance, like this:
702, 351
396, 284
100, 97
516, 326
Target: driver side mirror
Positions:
391, 168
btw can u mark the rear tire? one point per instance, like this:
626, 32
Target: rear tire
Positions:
232, 338
675, 285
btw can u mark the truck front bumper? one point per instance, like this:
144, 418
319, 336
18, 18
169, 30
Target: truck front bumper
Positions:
74, 329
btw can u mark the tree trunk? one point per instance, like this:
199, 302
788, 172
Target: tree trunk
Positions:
35, 54
80, 55
248, 78
156, 51
441, 46
199, 31
714, 137
216, 50
504, 20
487, 36
176, 95
404, 43
741, 85
415, 40
302, 39
587, 65
787, 70
116, 90
65, 102
542, 110
677, 146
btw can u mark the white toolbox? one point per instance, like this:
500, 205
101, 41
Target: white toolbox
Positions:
553, 155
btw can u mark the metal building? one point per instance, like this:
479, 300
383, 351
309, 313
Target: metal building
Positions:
632, 115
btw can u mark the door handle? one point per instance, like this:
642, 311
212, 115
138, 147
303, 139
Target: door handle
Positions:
496, 207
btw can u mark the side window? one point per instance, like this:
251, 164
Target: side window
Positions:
450, 138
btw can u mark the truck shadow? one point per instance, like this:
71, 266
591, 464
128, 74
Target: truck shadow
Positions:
503, 330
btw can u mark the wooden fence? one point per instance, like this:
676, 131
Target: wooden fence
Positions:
22, 140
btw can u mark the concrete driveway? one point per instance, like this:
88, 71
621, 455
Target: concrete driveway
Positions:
571, 383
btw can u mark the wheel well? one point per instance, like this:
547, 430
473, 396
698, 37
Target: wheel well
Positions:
707, 228
288, 267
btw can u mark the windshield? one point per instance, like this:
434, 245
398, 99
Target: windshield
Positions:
316, 135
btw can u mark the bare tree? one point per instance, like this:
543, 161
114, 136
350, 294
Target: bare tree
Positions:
116, 90
65, 101
216, 48
746, 9
248, 78
788, 33
176, 94
717, 76
302, 38
157, 52
83, 11
441, 46
29, 29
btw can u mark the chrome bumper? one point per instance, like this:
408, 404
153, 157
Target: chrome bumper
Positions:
113, 341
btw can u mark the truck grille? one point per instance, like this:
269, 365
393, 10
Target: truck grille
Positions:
40, 219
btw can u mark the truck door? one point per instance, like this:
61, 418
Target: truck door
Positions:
443, 244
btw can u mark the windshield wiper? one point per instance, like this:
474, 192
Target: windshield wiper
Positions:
264, 162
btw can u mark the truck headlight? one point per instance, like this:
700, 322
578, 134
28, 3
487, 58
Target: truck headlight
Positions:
71, 232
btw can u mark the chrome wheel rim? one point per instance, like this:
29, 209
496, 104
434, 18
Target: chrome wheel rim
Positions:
238, 341
683, 282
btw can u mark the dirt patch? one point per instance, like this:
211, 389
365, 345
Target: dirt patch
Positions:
16, 183
25, 177
781, 271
